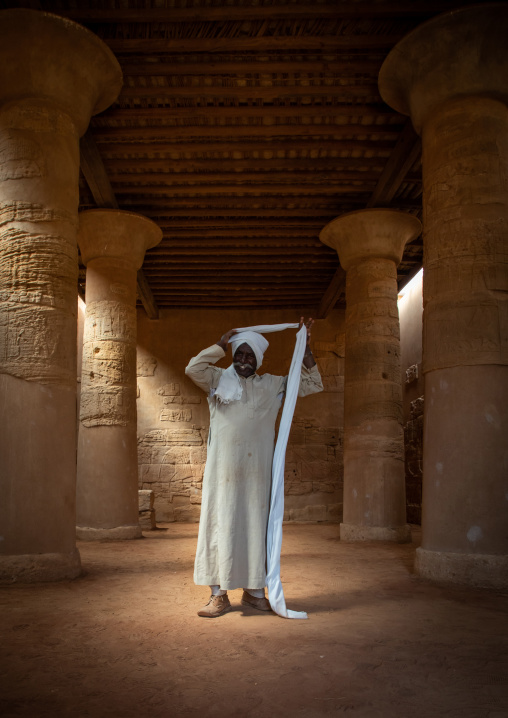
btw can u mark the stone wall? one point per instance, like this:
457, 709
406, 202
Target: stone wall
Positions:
410, 313
173, 416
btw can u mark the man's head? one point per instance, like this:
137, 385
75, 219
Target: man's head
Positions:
248, 349
244, 361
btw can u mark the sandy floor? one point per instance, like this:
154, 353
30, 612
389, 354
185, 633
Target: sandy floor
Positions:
124, 640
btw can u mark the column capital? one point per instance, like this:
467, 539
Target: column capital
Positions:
48, 58
370, 234
117, 234
460, 53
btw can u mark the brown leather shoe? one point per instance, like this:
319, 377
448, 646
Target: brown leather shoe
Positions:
216, 606
262, 604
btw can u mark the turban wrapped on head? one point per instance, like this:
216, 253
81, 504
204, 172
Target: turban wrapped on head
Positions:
256, 341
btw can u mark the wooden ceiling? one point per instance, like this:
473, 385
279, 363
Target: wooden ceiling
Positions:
243, 127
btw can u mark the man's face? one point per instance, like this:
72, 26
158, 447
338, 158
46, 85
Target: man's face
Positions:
244, 361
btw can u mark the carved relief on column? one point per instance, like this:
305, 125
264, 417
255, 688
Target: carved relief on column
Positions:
113, 245
54, 75
109, 365
38, 254
370, 245
451, 76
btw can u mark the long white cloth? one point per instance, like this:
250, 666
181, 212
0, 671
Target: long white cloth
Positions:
275, 517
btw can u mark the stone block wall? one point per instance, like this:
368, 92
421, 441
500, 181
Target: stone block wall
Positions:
173, 414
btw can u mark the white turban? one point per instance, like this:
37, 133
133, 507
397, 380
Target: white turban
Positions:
256, 341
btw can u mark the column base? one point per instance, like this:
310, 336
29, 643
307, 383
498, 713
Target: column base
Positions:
118, 533
471, 569
39, 567
353, 532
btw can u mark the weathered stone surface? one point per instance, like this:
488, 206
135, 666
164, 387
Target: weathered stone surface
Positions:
172, 389
175, 455
481, 570
177, 436
176, 415
35, 568
370, 244
146, 366
41, 118
147, 521
108, 369
457, 94
146, 499
118, 533
112, 245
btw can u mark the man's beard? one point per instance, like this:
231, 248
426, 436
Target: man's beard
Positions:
237, 365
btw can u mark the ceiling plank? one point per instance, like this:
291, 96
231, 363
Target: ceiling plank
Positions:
171, 178
95, 173
247, 188
266, 110
244, 13
317, 164
267, 43
404, 155
267, 93
341, 66
333, 293
97, 179
227, 145
172, 132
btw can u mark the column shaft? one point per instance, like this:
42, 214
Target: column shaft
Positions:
370, 244
44, 106
38, 275
451, 76
113, 245
466, 328
374, 494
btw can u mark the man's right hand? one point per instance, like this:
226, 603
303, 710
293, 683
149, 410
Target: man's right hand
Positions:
224, 340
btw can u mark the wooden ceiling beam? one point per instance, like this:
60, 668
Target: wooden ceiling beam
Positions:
171, 178
299, 214
240, 227
267, 110
267, 93
248, 188
332, 295
350, 65
301, 275
404, 155
198, 263
261, 43
97, 179
95, 173
242, 234
233, 250
248, 165
229, 145
251, 13
170, 132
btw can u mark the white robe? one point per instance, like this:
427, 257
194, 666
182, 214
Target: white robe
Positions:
231, 551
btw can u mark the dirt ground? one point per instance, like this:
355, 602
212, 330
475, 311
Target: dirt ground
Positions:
124, 639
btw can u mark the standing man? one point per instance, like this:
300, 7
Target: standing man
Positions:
231, 551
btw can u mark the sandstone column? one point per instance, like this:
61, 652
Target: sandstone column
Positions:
113, 245
54, 75
370, 244
451, 76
